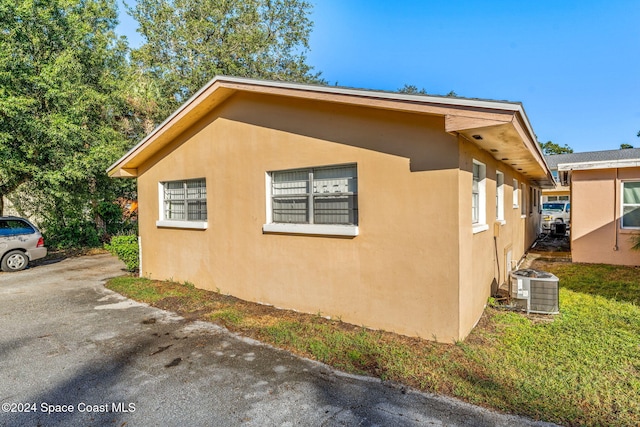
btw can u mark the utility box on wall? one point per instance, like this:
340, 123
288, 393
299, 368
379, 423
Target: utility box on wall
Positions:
537, 290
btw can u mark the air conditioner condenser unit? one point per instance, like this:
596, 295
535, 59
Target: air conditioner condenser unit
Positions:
537, 289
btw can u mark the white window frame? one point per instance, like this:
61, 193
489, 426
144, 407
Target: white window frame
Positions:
164, 222
348, 230
479, 218
623, 205
516, 197
523, 200
500, 197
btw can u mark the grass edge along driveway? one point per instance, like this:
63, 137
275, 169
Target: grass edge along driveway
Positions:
581, 367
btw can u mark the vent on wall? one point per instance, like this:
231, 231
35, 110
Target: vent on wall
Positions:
537, 289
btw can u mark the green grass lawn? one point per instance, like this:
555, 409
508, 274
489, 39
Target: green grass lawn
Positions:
581, 367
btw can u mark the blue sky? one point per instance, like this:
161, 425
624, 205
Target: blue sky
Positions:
575, 65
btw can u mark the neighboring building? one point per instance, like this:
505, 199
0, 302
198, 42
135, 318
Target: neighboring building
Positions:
605, 211
393, 211
561, 193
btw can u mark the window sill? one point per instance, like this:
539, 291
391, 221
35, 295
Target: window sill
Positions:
501, 221
477, 228
523, 216
312, 229
629, 230
193, 225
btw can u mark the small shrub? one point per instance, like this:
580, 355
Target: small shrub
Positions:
70, 233
126, 249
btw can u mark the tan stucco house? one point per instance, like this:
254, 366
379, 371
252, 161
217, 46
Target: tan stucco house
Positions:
605, 212
392, 211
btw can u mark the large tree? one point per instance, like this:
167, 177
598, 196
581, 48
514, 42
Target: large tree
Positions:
549, 148
188, 42
61, 110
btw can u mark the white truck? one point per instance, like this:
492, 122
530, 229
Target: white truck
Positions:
555, 213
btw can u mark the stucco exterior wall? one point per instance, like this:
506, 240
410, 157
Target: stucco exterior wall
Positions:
399, 274
596, 235
483, 255
416, 267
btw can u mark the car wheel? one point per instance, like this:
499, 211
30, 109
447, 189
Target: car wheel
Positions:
14, 261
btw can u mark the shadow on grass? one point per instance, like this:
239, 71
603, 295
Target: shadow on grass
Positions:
613, 282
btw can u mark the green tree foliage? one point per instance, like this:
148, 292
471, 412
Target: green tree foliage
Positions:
625, 146
412, 90
549, 148
62, 111
188, 42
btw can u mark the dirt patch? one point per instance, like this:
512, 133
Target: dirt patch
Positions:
551, 244
548, 248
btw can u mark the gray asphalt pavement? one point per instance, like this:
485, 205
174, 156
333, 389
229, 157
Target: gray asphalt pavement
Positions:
73, 353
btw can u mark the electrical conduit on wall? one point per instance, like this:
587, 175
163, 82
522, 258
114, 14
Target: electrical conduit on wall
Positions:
615, 211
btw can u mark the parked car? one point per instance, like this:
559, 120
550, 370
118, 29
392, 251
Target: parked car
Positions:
555, 213
20, 243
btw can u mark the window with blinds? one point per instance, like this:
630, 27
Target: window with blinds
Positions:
185, 200
475, 194
499, 196
479, 196
325, 195
631, 204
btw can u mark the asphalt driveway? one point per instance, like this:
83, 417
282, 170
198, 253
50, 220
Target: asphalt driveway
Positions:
75, 353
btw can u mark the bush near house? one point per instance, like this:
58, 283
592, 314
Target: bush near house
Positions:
579, 368
125, 247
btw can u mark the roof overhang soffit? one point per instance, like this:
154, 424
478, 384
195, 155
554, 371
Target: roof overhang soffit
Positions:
508, 140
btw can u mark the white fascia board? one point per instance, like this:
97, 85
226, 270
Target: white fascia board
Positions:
605, 164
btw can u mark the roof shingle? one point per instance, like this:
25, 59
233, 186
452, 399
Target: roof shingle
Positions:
592, 156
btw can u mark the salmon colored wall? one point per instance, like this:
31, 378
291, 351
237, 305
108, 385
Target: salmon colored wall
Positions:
483, 254
399, 274
596, 236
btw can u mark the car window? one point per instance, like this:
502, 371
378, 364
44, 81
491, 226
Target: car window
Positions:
14, 227
568, 207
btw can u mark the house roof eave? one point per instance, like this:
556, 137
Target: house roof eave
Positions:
605, 164
462, 115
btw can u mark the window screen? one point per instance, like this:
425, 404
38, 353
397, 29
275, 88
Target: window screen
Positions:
327, 195
185, 200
